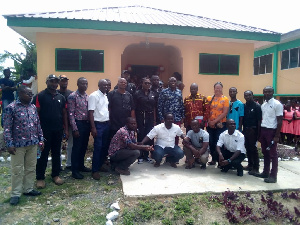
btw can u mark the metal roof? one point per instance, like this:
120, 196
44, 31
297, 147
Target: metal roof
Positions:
143, 15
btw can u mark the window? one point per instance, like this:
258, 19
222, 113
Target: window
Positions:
263, 64
79, 60
219, 64
290, 58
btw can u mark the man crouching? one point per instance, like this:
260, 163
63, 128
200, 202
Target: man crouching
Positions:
233, 151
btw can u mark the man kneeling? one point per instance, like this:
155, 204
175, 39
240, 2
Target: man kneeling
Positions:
233, 151
196, 145
123, 150
165, 134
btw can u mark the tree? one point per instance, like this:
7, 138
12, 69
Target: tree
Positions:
23, 62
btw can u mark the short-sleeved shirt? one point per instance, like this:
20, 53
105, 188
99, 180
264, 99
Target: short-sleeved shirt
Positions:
234, 142
216, 106
7, 94
252, 115
120, 106
270, 110
199, 138
165, 137
51, 109
65, 94
121, 139
236, 110
98, 102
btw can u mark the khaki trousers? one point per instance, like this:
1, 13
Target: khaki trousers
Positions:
189, 155
23, 166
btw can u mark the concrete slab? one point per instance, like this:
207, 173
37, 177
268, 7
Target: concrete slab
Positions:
145, 180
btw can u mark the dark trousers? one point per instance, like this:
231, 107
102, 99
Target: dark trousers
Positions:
236, 163
250, 144
80, 145
177, 138
123, 158
266, 136
173, 154
101, 144
145, 122
52, 142
214, 134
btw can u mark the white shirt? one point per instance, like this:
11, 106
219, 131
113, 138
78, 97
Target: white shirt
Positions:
33, 82
233, 142
99, 103
270, 110
165, 137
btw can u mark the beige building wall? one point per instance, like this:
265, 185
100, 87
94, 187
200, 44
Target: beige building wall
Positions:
187, 51
288, 81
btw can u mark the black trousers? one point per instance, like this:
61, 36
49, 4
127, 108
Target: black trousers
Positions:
250, 145
236, 163
53, 140
80, 145
123, 158
214, 134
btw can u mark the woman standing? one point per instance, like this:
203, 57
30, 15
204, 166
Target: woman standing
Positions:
296, 130
219, 105
145, 113
287, 125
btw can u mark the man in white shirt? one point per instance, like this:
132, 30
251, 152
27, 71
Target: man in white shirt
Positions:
272, 113
196, 145
233, 150
165, 134
99, 121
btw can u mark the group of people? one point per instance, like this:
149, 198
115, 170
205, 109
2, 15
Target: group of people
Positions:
225, 129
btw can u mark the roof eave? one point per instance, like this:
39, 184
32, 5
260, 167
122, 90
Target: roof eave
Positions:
136, 27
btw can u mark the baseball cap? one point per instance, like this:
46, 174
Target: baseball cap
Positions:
52, 77
61, 77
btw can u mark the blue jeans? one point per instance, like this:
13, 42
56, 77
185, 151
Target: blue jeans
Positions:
174, 154
5, 103
101, 144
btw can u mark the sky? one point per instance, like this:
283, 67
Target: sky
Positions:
274, 15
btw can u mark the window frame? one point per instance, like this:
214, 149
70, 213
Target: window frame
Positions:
259, 59
289, 60
219, 63
79, 59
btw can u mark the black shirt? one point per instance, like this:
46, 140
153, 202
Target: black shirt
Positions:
252, 114
131, 88
51, 109
144, 102
66, 93
120, 106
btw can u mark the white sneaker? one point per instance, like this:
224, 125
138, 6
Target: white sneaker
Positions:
140, 161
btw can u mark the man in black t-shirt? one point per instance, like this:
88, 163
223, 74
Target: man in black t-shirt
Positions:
53, 117
131, 88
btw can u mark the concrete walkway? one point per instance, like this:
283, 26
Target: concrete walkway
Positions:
146, 180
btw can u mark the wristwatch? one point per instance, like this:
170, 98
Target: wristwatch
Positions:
229, 160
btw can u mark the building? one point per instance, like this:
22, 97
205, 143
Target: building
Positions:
100, 43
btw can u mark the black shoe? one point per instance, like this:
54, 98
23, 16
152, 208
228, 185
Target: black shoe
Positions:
253, 171
225, 169
14, 200
261, 175
33, 193
240, 173
85, 169
270, 180
77, 175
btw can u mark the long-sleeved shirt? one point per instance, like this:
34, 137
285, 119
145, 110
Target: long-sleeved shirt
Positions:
77, 108
21, 125
170, 102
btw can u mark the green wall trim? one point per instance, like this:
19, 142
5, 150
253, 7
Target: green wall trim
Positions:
275, 68
265, 51
281, 95
135, 27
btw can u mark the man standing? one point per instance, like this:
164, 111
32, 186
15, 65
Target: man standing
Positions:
155, 88
54, 120
99, 122
236, 109
196, 145
165, 134
8, 88
233, 151
195, 107
123, 149
272, 113
79, 121
131, 88
251, 130
22, 134
63, 90
121, 106
170, 100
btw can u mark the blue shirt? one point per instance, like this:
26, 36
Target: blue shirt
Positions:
236, 110
7, 94
170, 102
